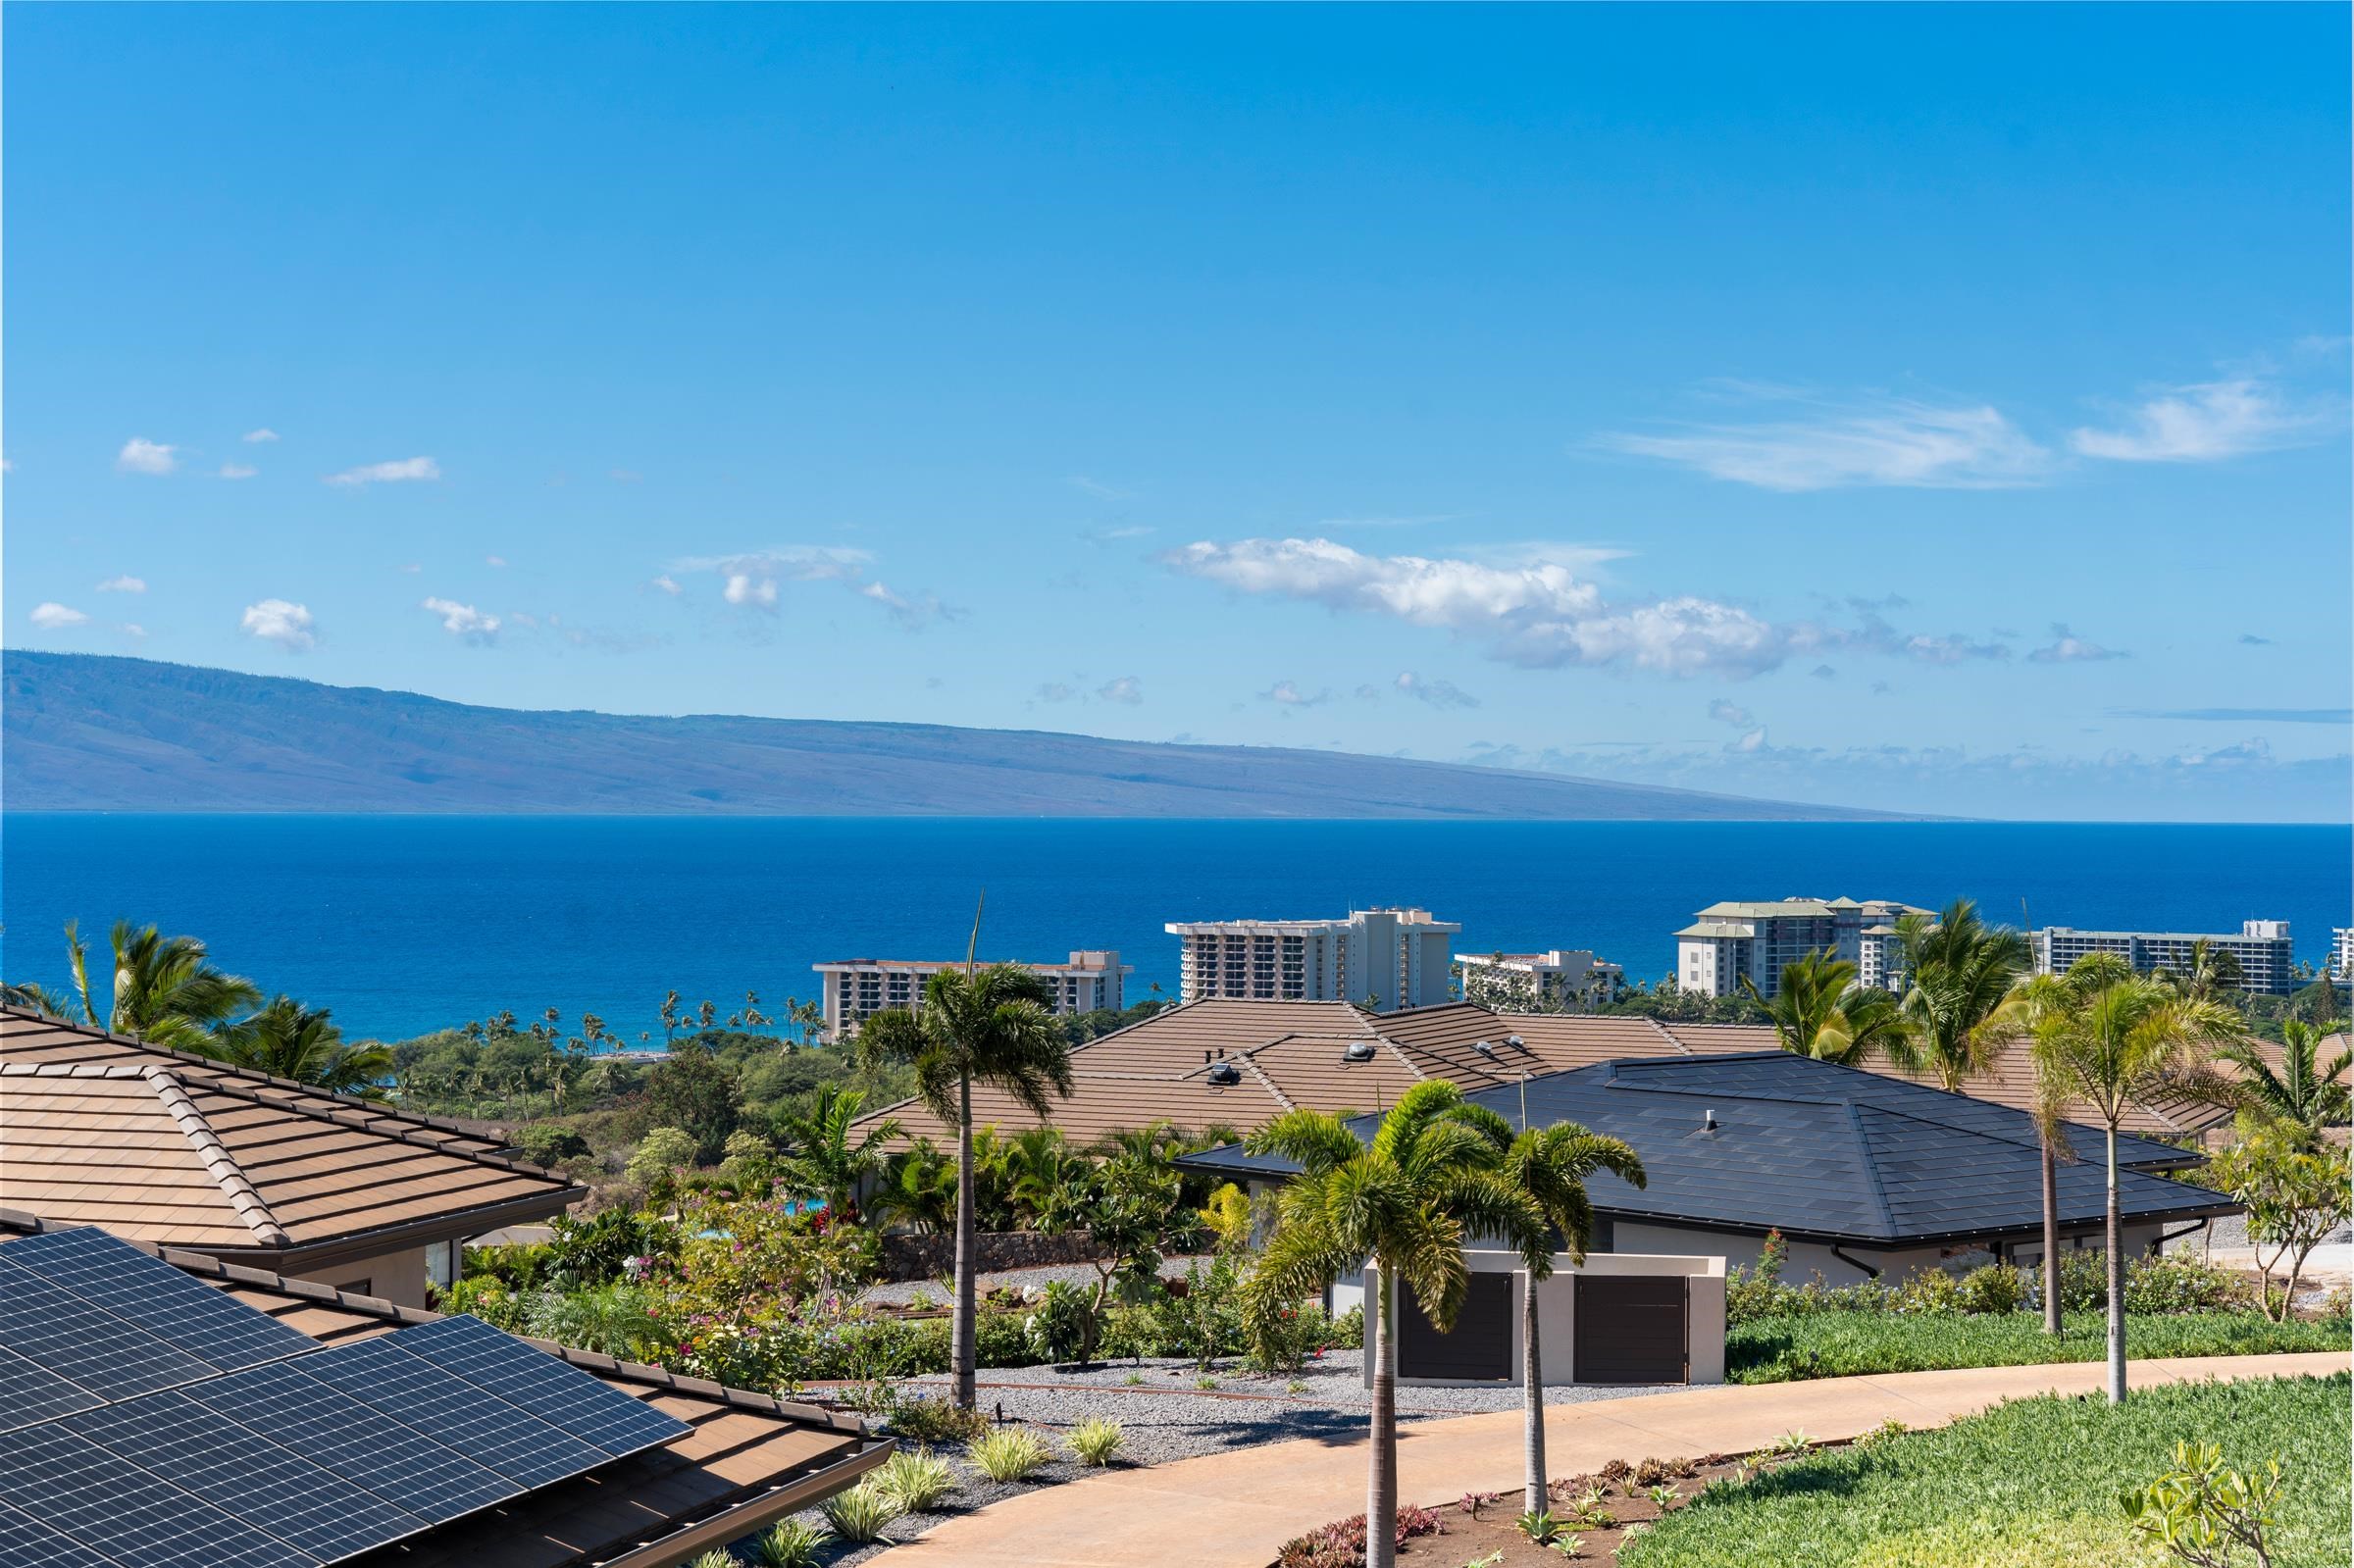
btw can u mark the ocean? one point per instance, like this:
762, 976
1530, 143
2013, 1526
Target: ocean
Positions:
407, 924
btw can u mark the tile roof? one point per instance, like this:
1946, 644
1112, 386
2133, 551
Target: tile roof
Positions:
1815, 1150
749, 1459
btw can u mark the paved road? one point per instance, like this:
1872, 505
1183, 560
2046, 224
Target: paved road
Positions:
1236, 1509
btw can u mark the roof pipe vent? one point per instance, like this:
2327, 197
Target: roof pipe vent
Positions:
1707, 1120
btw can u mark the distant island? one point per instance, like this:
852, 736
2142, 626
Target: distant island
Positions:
90, 732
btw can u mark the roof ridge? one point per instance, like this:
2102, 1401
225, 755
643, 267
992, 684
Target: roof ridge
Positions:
357, 1116
1668, 1034
1260, 1073
1872, 1169
227, 1174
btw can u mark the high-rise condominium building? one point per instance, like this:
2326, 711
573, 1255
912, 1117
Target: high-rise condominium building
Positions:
2341, 952
1729, 940
856, 989
1394, 957
1540, 982
2266, 963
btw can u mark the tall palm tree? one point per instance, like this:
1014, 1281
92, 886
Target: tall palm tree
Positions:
1400, 1208
994, 1024
2117, 1039
1959, 974
821, 1150
287, 1039
2306, 1094
1550, 1166
165, 990
1817, 1010
2207, 969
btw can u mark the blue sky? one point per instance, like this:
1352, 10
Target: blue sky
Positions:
1925, 407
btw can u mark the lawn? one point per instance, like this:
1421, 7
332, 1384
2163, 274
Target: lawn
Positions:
2027, 1484
1838, 1344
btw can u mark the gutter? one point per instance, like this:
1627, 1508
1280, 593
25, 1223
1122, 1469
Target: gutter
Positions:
755, 1513
412, 1232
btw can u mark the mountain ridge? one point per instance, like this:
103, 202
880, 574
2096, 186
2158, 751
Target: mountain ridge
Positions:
108, 732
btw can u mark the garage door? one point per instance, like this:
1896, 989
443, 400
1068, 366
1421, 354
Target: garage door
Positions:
1630, 1329
1479, 1348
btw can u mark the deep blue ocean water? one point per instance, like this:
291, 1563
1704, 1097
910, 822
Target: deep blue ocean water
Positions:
405, 924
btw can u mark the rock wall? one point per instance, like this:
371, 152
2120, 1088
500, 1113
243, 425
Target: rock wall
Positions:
912, 1257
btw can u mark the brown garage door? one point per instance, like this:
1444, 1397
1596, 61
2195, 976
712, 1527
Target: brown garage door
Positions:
1479, 1348
1630, 1329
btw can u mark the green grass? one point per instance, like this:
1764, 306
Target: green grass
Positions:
1838, 1344
2025, 1485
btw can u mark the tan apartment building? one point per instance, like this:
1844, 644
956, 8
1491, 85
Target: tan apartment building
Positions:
1730, 941
856, 989
1382, 958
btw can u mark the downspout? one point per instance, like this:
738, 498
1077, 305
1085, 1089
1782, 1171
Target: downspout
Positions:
1855, 1263
2165, 1236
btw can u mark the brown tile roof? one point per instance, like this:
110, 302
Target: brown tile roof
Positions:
158, 1147
749, 1459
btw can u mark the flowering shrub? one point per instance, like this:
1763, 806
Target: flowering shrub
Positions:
1342, 1543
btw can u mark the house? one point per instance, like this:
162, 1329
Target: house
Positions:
225, 1451
175, 1150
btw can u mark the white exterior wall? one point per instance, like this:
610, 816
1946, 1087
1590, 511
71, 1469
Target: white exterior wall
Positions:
855, 989
1398, 957
1708, 965
2265, 955
395, 1276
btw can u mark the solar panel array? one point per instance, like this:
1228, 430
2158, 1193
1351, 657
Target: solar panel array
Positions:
147, 1419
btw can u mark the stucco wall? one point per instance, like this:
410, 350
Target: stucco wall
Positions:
397, 1277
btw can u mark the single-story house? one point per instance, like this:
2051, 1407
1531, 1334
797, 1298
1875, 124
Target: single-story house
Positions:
175, 1150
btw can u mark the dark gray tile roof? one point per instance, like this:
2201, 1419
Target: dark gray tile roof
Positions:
1818, 1150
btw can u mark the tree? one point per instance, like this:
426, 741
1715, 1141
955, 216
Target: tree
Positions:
2306, 1094
994, 1024
1817, 1010
2295, 1194
822, 1151
287, 1039
166, 992
691, 1091
1550, 1166
1127, 1205
2116, 1039
670, 1015
919, 1186
1959, 974
660, 1156
2207, 971
1400, 1209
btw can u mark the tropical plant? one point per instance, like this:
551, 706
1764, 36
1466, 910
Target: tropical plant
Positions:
2207, 971
1958, 973
1538, 1525
2294, 1195
2304, 1095
919, 1188
1817, 1010
290, 1041
1009, 1453
165, 990
1400, 1208
916, 1479
2203, 1513
1549, 1167
993, 1025
862, 1513
790, 1543
660, 1156
1094, 1442
2117, 1039
615, 1320
824, 1156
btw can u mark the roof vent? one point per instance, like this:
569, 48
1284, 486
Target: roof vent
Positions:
1359, 1050
1515, 1043
1225, 1074
1707, 1120
1484, 1049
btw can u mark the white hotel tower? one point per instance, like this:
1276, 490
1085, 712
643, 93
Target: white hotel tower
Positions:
1396, 958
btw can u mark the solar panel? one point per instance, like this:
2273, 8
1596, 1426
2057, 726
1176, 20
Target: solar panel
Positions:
68, 1337
147, 1292
121, 1513
244, 1475
362, 1446
475, 1422
562, 1395
26, 1543
30, 1393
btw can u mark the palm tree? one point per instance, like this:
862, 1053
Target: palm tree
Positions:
994, 1024
1550, 1165
287, 1039
1400, 1209
1817, 1010
165, 990
2207, 971
2305, 1095
821, 1151
1959, 974
40, 998
2117, 1039
919, 1186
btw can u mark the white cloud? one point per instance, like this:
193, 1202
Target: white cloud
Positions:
413, 566
1755, 741
1437, 692
237, 471
1130, 531
745, 588
753, 579
286, 624
51, 616
494, 560
142, 456
1888, 441
1126, 688
2067, 648
265, 434
1732, 713
2202, 423
1287, 694
133, 630
465, 621
667, 584
125, 584
913, 614
1056, 691
1098, 489
401, 471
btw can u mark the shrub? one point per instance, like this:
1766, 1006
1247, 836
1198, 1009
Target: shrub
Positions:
1094, 1442
545, 1144
1060, 1326
1538, 1525
716, 1557
484, 1297
790, 1543
2202, 1513
862, 1513
1651, 1472
659, 1157
915, 1479
1342, 1543
928, 1421
614, 1244
1011, 1454
615, 1320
